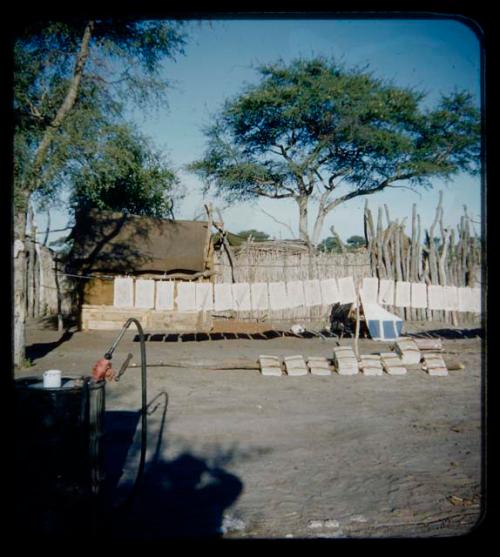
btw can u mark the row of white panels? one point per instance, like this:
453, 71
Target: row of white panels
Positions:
261, 296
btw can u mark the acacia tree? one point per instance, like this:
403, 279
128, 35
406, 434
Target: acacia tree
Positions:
311, 126
67, 74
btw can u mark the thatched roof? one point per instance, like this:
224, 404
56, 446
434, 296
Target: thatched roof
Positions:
106, 241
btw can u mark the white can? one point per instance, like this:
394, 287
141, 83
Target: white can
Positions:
52, 379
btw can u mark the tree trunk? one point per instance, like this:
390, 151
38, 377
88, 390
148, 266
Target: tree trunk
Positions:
19, 290
318, 226
20, 266
302, 202
66, 106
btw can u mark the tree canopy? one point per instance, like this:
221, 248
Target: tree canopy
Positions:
72, 82
71, 77
313, 125
124, 174
257, 235
330, 244
356, 241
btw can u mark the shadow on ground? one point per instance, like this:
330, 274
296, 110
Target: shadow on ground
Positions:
180, 498
184, 497
444, 333
200, 337
449, 333
41, 349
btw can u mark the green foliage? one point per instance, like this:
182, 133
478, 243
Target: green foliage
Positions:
257, 235
330, 244
307, 126
356, 241
124, 174
123, 66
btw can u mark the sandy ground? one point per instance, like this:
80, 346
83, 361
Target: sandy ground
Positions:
249, 456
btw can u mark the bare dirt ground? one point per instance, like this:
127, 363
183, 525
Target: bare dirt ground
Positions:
285, 457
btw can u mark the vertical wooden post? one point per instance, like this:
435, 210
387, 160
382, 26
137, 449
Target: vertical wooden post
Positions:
59, 296
356, 330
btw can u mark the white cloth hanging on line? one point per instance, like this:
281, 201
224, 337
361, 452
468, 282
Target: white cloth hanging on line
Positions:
476, 300
435, 295
386, 292
123, 292
204, 296
241, 296
450, 295
295, 294
312, 293
370, 290
164, 295
223, 296
329, 291
347, 291
418, 295
144, 294
186, 296
277, 296
259, 296
403, 294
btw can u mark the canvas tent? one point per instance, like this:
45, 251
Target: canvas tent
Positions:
116, 243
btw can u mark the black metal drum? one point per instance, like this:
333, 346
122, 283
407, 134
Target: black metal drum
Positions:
59, 460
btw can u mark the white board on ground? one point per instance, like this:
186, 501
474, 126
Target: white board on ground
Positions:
144, 294
403, 294
164, 295
295, 293
312, 292
223, 296
386, 292
435, 295
450, 294
418, 295
329, 291
347, 292
241, 296
277, 296
123, 292
204, 296
186, 296
259, 295
370, 290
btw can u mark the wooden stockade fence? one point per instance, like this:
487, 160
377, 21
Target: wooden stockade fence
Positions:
47, 292
439, 256
289, 261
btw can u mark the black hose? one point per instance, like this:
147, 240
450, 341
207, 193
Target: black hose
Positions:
108, 355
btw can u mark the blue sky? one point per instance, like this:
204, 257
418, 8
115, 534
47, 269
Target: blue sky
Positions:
436, 56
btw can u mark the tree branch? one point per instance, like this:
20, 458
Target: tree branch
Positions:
279, 222
65, 107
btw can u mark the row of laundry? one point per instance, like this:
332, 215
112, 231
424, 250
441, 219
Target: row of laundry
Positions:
187, 296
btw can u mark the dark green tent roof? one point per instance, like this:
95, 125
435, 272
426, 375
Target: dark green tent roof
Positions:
106, 241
